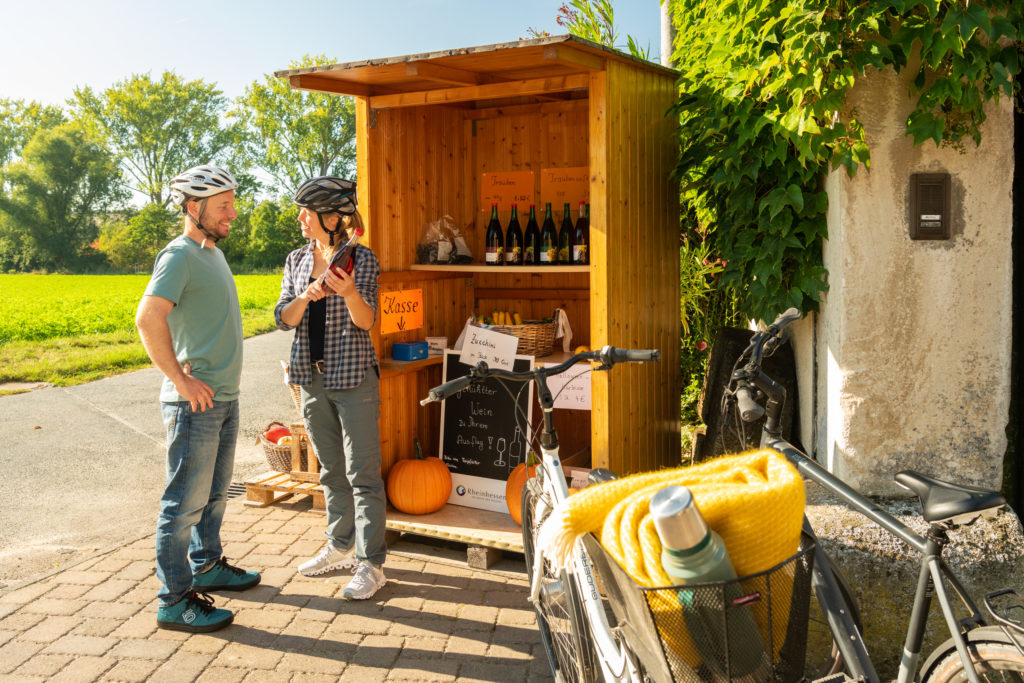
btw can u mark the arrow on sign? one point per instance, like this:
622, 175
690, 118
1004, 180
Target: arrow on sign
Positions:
401, 323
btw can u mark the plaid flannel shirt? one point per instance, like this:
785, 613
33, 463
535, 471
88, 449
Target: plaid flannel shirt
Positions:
348, 349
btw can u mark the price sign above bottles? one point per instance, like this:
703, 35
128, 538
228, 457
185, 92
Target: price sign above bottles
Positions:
561, 185
505, 189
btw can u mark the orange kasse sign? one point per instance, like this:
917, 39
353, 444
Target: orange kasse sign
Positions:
401, 311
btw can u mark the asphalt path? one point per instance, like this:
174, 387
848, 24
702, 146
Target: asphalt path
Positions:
82, 468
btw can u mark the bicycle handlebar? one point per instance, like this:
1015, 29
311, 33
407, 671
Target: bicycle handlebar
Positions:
608, 356
762, 344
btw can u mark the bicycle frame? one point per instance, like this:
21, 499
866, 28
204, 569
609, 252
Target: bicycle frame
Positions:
932, 571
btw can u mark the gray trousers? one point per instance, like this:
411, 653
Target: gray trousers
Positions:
342, 426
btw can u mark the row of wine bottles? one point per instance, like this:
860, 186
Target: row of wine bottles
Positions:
539, 247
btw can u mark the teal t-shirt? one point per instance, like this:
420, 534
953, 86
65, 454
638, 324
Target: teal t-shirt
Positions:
206, 323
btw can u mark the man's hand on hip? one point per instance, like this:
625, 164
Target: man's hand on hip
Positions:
198, 393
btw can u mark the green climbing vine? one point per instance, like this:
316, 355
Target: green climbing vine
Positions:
763, 115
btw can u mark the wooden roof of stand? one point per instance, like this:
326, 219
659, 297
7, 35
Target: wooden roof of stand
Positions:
518, 69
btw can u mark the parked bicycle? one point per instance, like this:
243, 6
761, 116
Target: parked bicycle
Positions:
979, 647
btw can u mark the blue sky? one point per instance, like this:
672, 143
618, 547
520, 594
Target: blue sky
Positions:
50, 47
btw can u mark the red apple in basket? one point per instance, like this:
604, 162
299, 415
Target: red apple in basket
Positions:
273, 434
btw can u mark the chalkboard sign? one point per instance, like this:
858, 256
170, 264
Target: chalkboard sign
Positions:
482, 440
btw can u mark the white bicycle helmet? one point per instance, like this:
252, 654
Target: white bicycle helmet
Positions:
201, 182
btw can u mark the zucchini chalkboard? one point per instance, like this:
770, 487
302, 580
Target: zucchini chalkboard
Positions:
482, 440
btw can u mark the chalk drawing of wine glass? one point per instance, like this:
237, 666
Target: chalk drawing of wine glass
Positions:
500, 462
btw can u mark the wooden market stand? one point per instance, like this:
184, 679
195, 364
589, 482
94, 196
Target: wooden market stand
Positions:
428, 126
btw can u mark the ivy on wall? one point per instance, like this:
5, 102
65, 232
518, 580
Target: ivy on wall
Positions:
764, 118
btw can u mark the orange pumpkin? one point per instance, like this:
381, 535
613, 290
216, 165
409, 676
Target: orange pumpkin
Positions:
514, 486
419, 485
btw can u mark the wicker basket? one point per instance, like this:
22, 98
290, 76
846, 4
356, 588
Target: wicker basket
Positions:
280, 457
535, 338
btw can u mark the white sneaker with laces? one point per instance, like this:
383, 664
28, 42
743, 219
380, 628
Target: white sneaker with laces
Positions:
368, 580
330, 558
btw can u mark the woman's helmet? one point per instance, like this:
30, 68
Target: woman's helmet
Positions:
201, 183
327, 194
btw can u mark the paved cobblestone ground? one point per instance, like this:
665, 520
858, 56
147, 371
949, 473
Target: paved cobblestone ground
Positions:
435, 620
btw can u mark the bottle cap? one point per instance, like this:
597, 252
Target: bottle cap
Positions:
677, 519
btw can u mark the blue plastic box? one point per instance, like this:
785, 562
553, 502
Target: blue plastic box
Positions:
414, 350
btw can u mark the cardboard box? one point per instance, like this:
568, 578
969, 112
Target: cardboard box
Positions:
414, 350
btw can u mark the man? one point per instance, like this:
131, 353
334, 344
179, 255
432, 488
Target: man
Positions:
191, 326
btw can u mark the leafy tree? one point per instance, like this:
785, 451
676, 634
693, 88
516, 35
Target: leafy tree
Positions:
274, 232
160, 128
64, 179
134, 243
297, 135
20, 121
763, 115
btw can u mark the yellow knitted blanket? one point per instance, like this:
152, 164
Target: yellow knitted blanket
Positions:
754, 500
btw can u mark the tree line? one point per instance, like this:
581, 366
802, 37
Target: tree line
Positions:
68, 173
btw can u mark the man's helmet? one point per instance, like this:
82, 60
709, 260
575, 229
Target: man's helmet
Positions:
327, 194
201, 182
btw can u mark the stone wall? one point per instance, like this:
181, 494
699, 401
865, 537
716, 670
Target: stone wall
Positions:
908, 363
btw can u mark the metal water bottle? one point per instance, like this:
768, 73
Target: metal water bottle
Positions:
692, 553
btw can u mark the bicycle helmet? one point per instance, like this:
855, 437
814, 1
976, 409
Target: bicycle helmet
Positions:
327, 194
201, 183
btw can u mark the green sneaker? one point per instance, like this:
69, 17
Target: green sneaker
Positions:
194, 613
223, 577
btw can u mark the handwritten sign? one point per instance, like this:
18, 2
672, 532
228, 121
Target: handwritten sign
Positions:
483, 435
494, 348
560, 185
571, 389
506, 188
401, 311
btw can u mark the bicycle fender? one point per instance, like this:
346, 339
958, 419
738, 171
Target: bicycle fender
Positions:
975, 635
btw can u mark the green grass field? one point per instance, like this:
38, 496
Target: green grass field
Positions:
69, 329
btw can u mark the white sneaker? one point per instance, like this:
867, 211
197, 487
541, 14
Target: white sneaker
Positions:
330, 558
367, 581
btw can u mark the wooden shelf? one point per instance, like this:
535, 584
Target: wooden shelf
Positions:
397, 366
481, 268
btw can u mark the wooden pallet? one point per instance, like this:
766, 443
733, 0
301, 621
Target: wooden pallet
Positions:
487, 534
269, 488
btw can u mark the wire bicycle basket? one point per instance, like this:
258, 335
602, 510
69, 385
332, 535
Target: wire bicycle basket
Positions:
750, 629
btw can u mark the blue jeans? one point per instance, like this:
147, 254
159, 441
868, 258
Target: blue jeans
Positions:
342, 426
200, 462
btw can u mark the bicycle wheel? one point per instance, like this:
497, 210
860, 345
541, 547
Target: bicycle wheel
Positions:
823, 656
994, 660
560, 618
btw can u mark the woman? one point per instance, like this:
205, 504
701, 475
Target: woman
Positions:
333, 360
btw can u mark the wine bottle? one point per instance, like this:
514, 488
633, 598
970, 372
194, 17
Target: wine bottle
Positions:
692, 553
531, 242
548, 239
565, 237
495, 245
581, 237
514, 240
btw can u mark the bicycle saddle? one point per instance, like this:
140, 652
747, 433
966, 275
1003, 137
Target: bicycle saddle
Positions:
942, 501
